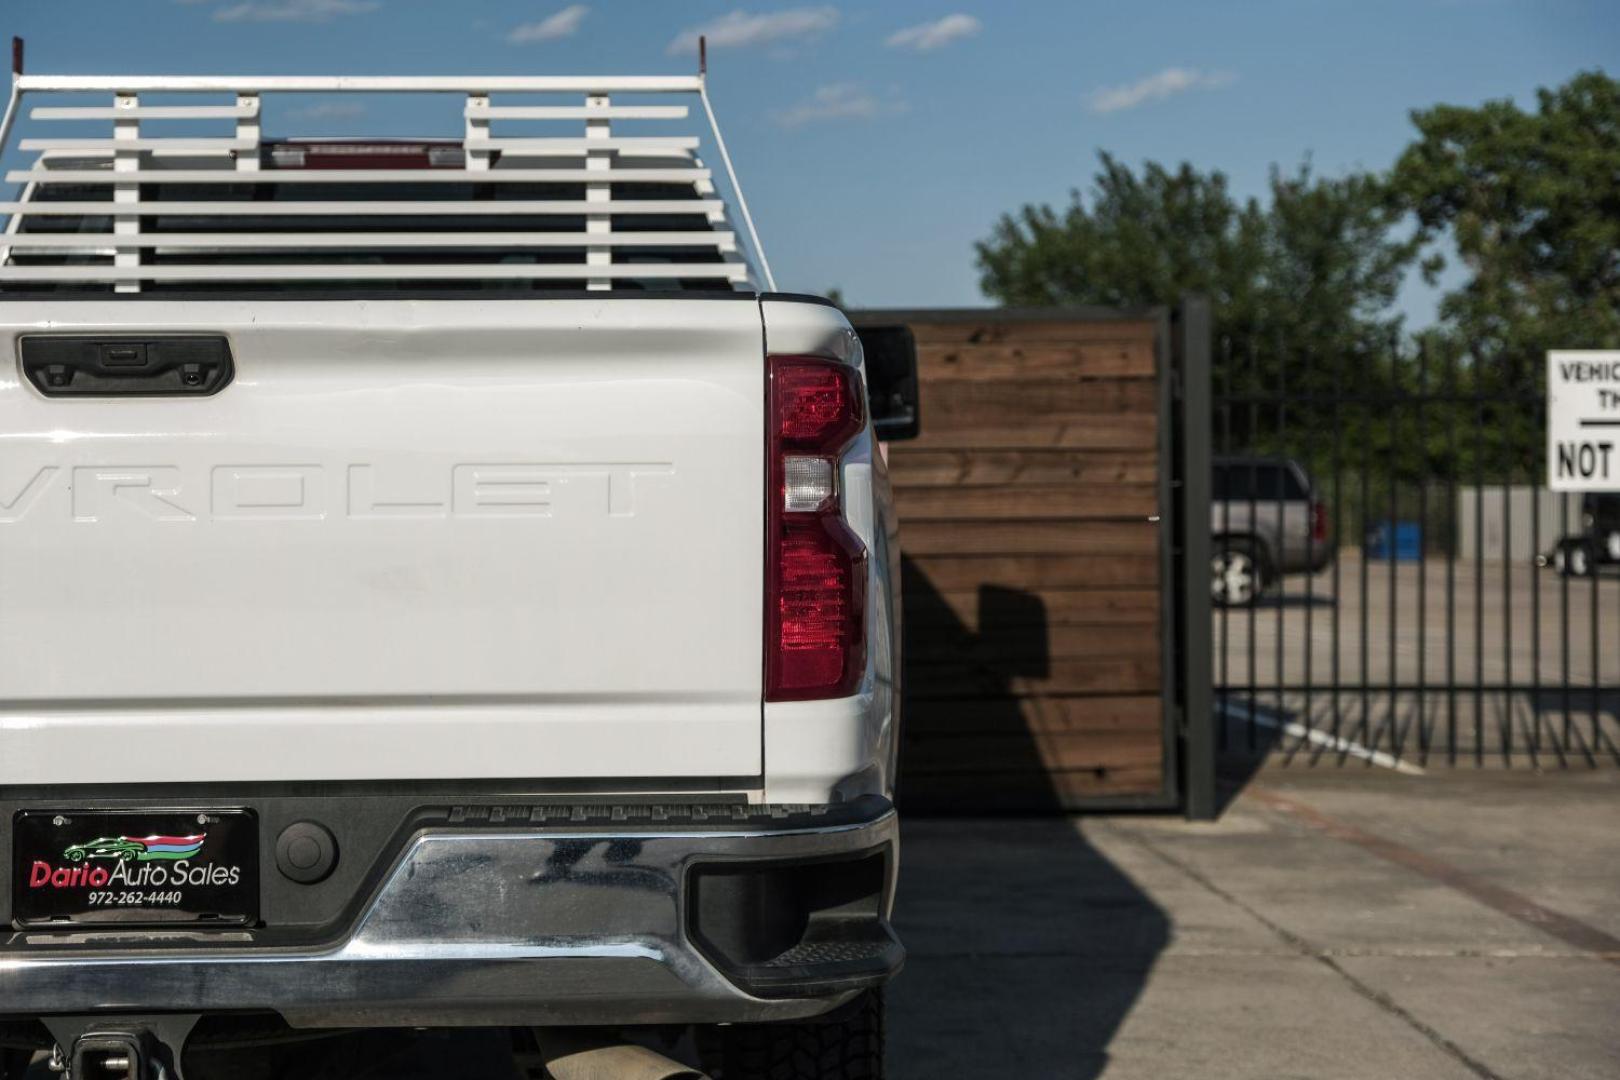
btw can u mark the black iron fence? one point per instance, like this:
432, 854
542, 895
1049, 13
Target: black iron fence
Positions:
1392, 583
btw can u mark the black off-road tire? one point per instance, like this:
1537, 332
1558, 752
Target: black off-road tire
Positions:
846, 1046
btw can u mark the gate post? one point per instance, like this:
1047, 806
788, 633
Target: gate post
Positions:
1188, 643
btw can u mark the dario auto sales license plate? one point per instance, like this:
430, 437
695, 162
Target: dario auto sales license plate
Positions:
73, 867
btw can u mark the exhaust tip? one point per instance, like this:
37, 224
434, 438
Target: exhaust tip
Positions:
586, 1054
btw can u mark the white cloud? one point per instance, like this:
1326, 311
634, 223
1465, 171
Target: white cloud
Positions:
564, 23
310, 11
928, 36
1167, 83
840, 101
739, 29
330, 110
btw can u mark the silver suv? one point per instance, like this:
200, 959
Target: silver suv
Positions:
1267, 521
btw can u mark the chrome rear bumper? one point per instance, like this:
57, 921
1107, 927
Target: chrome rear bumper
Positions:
481, 927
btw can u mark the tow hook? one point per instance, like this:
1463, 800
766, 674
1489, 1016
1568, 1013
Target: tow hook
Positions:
147, 1049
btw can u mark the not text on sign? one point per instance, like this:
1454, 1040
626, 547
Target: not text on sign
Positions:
1583, 420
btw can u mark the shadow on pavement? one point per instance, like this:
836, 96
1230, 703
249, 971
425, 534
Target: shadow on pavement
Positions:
1293, 600
1026, 953
1247, 734
1577, 725
1027, 947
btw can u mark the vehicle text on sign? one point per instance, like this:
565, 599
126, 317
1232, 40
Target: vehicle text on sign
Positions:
1583, 420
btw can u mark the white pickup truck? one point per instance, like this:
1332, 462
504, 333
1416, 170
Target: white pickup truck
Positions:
440, 584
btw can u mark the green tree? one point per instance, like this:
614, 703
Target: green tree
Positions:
1302, 288
1304, 281
1531, 203
1142, 240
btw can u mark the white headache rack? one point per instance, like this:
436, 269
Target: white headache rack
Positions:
543, 188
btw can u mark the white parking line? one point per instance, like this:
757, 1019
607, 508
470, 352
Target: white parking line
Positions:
1239, 711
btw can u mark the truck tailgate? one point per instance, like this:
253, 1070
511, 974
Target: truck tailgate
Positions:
411, 540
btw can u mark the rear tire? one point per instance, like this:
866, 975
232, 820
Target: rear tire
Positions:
849, 1046
1573, 559
1237, 573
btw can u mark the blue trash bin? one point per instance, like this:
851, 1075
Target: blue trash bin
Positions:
1398, 540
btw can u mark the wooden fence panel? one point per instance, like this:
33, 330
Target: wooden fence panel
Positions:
1029, 518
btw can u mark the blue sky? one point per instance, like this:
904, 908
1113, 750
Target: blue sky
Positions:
877, 142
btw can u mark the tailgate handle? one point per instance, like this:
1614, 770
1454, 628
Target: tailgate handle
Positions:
75, 365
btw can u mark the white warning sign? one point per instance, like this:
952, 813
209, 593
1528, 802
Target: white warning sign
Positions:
1583, 420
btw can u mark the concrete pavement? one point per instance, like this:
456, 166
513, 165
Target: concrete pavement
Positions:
1332, 924
1494, 621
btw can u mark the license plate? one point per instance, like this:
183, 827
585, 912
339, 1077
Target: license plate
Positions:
135, 867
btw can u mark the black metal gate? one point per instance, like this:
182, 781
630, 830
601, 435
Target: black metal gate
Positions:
1414, 595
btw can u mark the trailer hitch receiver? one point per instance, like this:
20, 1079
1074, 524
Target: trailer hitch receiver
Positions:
133, 1048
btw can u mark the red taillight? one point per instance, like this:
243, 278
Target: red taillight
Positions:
820, 613
1319, 522
815, 582
814, 404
